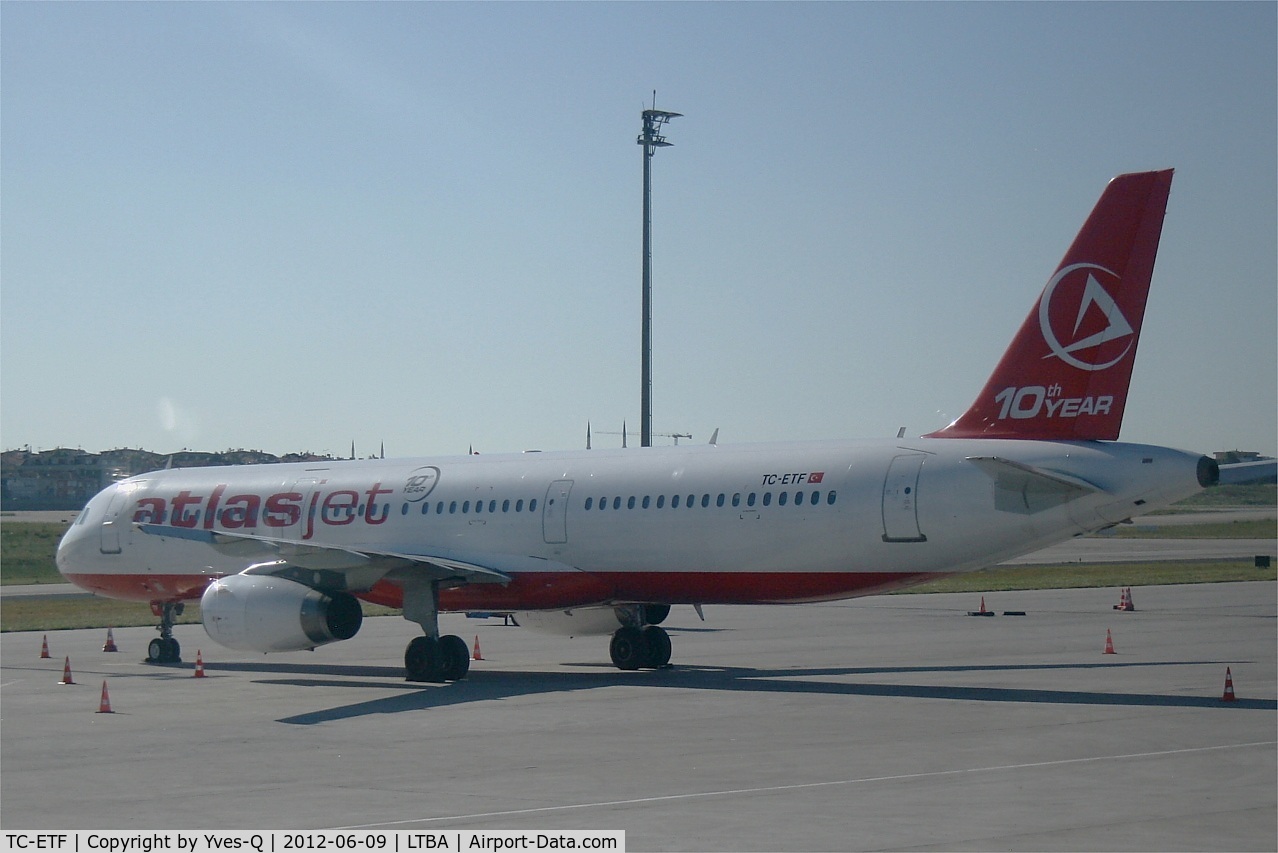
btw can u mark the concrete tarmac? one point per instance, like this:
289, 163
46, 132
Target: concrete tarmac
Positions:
887, 723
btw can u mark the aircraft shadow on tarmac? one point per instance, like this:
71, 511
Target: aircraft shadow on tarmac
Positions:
490, 685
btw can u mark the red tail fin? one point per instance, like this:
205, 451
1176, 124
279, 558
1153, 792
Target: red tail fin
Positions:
1065, 376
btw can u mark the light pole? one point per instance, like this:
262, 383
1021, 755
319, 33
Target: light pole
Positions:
651, 140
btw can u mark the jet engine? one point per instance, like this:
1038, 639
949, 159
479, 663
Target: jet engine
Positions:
270, 614
592, 621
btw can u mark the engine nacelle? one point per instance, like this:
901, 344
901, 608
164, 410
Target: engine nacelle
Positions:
592, 621
268, 614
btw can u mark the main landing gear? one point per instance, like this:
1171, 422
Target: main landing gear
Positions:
164, 648
639, 644
432, 657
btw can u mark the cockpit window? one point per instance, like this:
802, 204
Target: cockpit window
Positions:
83, 516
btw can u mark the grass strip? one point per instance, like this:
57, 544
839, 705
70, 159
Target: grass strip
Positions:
1257, 529
1092, 575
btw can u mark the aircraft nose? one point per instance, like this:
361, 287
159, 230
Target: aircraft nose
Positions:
70, 544
77, 542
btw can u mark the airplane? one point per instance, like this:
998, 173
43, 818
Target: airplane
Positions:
605, 541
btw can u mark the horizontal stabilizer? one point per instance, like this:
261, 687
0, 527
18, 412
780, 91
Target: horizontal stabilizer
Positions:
1025, 489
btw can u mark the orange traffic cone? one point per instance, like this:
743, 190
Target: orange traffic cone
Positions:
1229, 687
66, 672
109, 645
1125, 601
104, 707
44, 647
982, 611
1109, 643
477, 654
199, 664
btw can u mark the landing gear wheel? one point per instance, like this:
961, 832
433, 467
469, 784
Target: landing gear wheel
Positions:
658, 647
428, 659
454, 658
420, 659
628, 648
165, 649
655, 614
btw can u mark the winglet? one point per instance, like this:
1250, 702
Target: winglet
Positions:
1067, 371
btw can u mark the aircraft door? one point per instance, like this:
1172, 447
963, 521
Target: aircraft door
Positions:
900, 499
554, 512
109, 542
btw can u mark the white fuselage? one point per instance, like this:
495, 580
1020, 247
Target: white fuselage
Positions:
704, 524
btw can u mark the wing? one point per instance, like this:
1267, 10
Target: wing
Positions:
330, 567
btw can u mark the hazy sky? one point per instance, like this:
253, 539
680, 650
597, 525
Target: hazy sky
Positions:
287, 226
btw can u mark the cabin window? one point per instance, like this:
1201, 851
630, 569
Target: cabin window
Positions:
532, 505
736, 499
674, 502
830, 498
692, 499
798, 498
645, 501
781, 498
452, 507
630, 502
767, 498
616, 502
750, 500
719, 500
661, 501
590, 502
519, 505
505, 505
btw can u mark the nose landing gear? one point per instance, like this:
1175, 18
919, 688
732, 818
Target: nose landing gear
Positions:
165, 648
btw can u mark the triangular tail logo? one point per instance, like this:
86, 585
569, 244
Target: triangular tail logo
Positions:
1094, 295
